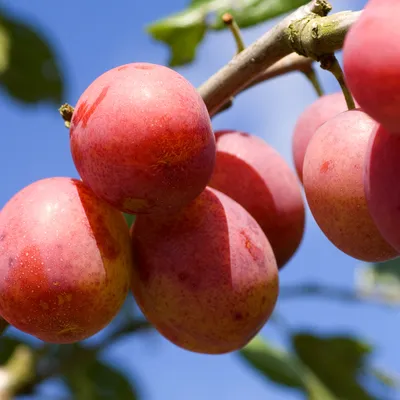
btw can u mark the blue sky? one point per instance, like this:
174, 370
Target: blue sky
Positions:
92, 37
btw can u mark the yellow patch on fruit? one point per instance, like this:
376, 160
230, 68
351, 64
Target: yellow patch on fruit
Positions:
64, 298
69, 329
131, 203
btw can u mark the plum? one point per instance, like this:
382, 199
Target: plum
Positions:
371, 62
254, 174
382, 188
65, 261
141, 139
334, 186
205, 277
310, 120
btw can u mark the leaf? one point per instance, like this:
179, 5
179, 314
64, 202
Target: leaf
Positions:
29, 70
259, 11
273, 363
130, 219
185, 30
110, 383
380, 281
283, 368
7, 347
337, 361
98, 381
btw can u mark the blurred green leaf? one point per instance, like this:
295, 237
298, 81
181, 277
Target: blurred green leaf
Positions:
284, 368
130, 219
3, 325
185, 30
29, 70
7, 347
273, 363
379, 281
98, 381
337, 361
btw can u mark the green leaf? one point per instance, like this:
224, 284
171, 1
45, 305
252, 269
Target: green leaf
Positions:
29, 70
185, 30
98, 381
130, 219
257, 11
337, 361
275, 364
380, 281
283, 368
7, 347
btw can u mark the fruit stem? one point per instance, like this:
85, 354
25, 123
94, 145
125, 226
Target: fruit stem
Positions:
66, 111
311, 75
230, 22
330, 63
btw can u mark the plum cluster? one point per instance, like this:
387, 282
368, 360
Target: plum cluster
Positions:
349, 160
217, 215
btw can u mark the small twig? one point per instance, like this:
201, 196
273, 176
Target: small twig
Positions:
314, 38
230, 22
66, 111
329, 292
291, 63
312, 77
331, 64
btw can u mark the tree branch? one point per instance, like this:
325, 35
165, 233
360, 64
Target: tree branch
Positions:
291, 63
329, 292
307, 31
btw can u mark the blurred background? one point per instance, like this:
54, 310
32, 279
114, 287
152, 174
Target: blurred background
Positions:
346, 338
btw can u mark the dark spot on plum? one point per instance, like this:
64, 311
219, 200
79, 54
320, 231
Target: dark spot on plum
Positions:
11, 261
2, 236
263, 300
144, 66
122, 68
237, 316
244, 134
325, 167
182, 276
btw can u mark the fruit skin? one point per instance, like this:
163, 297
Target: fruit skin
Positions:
382, 189
254, 174
206, 277
371, 62
65, 261
317, 113
334, 186
141, 139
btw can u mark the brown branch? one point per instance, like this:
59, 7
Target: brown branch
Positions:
291, 63
306, 31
